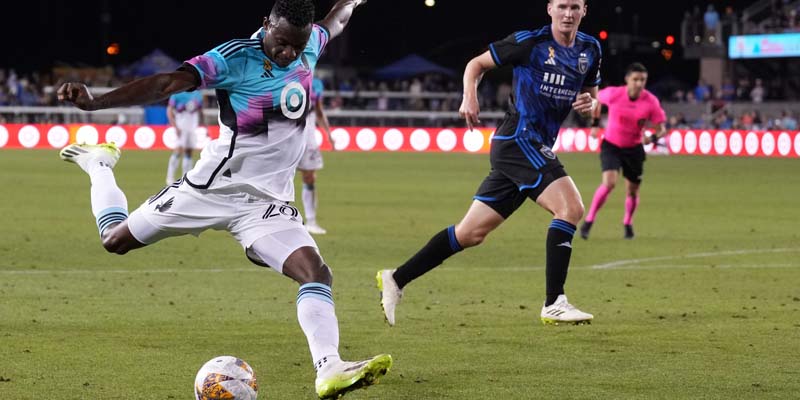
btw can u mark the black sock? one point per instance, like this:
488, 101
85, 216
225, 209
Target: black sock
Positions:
441, 246
559, 250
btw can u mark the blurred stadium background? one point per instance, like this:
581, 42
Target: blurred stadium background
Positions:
703, 304
718, 65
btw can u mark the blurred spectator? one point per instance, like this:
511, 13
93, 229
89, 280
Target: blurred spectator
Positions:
5, 99
728, 90
788, 122
415, 89
743, 89
702, 92
679, 96
758, 122
383, 100
758, 92
746, 120
677, 121
723, 120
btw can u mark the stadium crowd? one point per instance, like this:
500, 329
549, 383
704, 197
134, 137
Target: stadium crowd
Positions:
37, 89
782, 16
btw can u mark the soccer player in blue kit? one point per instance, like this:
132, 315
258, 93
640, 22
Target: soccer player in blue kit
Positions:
556, 70
243, 182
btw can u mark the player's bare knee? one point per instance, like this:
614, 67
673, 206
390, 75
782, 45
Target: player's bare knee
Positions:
472, 237
324, 274
575, 212
610, 185
309, 177
572, 212
316, 273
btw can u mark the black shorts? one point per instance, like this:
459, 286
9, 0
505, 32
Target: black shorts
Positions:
521, 169
630, 159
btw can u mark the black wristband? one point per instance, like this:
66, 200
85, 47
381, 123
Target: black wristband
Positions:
595, 122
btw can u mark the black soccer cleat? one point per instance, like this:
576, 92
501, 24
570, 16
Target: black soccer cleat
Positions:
629, 232
585, 228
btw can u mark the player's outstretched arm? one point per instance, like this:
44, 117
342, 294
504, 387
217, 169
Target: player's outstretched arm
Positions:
143, 91
339, 16
473, 74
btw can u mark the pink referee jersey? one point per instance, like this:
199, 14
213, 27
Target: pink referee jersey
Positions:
626, 117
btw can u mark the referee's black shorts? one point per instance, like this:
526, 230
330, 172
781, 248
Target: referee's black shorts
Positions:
630, 159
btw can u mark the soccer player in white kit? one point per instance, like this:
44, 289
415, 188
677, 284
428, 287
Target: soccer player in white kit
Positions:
243, 182
312, 157
185, 113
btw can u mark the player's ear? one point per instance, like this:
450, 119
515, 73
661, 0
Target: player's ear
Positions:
549, 8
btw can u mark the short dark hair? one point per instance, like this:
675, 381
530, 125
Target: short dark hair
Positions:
298, 12
635, 67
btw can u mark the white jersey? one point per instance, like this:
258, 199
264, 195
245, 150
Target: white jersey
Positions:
187, 107
262, 117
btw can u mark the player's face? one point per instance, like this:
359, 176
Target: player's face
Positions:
566, 14
284, 42
636, 82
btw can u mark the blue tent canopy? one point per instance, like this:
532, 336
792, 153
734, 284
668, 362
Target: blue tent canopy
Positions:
153, 63
410, 66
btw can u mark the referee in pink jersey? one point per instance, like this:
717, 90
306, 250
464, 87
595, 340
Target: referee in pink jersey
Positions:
630, 108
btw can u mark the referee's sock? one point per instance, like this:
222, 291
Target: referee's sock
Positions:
559, 250
631, 203
600, 197
439, 248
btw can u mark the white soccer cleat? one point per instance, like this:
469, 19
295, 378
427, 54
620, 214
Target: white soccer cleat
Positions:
337, 378
561, 312
390, 294
89, 155
315, 229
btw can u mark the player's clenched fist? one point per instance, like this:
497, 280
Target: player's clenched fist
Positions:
584, 103
76, 93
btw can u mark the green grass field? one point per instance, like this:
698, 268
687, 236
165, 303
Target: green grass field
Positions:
703, 304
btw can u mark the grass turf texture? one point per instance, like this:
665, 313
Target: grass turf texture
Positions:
705, 307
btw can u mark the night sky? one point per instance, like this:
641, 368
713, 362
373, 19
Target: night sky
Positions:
45, 33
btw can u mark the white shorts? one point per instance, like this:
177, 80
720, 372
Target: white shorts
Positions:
187, 138
312, 156
179, 209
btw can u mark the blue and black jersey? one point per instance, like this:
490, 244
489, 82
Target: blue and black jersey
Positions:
547, 79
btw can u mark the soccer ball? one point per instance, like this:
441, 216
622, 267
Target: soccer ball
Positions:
225, 377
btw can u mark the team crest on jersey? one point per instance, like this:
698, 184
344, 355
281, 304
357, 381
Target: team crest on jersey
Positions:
583, 63
551, 58
548, 153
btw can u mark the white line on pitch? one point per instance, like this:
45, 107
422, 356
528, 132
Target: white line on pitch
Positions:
127, 271
620, 263
630, 264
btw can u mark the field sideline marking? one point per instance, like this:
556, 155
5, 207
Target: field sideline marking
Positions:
630, 264
620, 263
128, 271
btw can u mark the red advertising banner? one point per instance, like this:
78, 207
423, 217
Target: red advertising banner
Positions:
144, 137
